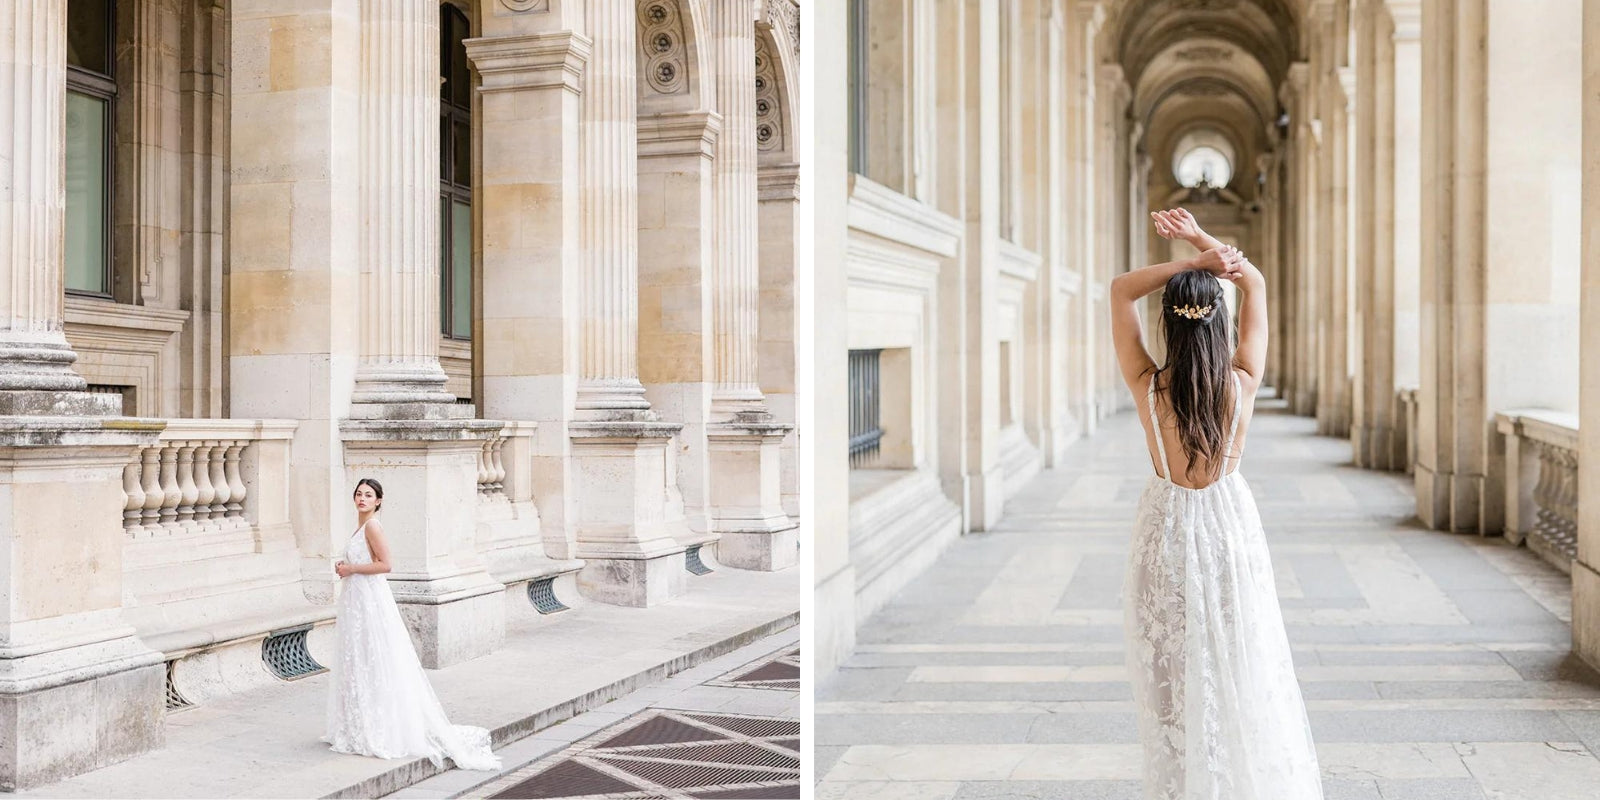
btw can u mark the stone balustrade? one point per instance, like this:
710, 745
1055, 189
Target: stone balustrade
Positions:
197, 478
492, 468
1541, 501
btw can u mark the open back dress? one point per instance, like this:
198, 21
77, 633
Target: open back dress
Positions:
1220, 712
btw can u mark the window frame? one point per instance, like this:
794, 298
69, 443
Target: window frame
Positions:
451, 188
100, 86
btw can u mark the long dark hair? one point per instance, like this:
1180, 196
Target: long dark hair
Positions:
1198, 333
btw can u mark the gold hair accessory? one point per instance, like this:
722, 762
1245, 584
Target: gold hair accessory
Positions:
1192, 312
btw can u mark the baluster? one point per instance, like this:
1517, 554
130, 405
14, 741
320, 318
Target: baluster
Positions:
236, 488
150, 471
171, 491
219, 481
483, 467
204, 491
188, 492
133, 494
498, 464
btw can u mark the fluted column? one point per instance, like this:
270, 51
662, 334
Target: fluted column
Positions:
35, 359
1586, 569
399, 373
608, 213
736, 276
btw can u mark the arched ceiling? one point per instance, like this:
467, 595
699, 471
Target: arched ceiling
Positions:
1204, 64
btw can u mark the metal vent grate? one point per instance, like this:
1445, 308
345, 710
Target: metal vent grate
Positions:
692, 560
175, 699
542, 593
285, 653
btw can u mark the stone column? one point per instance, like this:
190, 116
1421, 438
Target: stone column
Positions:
627, 508
398, 375
1586, 568
1407, 16
404, 429
1501, 227
825, 474
1085, 20
743, 440
78, 690
985, 473
1111, 103
1303, 271
1333, 253
531, 66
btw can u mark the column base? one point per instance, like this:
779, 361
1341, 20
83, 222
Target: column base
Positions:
429, 471
45, 403
746, 495
986, 498
1586, 613
72, 724
627, 529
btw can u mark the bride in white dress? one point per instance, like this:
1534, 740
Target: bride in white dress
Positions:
1220, 713
379, 700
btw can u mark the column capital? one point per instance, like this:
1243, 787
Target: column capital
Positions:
1407, 15
1091, 13
530, 61
678, 133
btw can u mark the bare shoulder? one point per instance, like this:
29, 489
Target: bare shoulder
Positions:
375, 528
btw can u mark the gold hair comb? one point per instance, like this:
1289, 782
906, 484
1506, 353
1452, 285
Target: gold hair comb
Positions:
1192, 312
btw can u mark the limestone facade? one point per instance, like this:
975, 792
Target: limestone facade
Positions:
530, 263
1429, 251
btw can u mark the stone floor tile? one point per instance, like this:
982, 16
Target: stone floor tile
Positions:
852, 729
888, 790
1050, 790
1431, 789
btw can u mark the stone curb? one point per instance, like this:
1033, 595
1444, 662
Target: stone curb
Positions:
408, 773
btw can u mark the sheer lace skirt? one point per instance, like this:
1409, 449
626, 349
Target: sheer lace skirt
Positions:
379, 700
1220, 712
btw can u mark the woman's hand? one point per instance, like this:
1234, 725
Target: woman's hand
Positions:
1224, 262
344, 570
1176, 223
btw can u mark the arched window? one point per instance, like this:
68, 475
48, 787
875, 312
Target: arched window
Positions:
1204, 165
90, 92
455, 176
1203, 158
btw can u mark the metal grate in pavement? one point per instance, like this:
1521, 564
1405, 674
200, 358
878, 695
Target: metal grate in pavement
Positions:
285, 653
781, 673
175, 699
660, 753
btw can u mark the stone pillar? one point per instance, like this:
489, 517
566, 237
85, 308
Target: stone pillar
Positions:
628, 512
1084, 19
1330, 52
1501, 227
1111, 104
824, 455
531, 66
78, 690
1303, 283
985, 473
1407, 16
404, 429
742, 438
1586, 568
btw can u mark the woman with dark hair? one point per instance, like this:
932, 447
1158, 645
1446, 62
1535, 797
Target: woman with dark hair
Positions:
379, 700
1220, 714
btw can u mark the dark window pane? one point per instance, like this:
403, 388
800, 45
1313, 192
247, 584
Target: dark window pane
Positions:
444, 148
444, 264
89, 35
462, 174
85, 224
461, 271
460, 84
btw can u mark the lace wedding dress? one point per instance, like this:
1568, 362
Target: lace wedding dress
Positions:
379, 700
1220, 714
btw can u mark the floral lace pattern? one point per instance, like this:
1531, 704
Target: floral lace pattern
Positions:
1220, 713
379, 700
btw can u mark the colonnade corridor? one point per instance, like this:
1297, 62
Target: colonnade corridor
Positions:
1434, 665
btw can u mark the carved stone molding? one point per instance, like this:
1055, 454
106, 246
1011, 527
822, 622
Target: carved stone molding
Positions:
663, 47
771, 129
520, 6
1204, 52
784, 14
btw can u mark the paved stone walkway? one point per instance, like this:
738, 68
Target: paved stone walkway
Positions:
1435, 666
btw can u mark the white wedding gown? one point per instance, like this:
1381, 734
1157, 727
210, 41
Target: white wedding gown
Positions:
379, 700
1220, 713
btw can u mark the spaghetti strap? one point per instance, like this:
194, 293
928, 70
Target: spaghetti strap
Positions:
1155, 428
1238, 410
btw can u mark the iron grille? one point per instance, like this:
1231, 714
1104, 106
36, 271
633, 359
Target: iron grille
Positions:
175, 699
285, 653
692, 560
865, 430
542, 593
